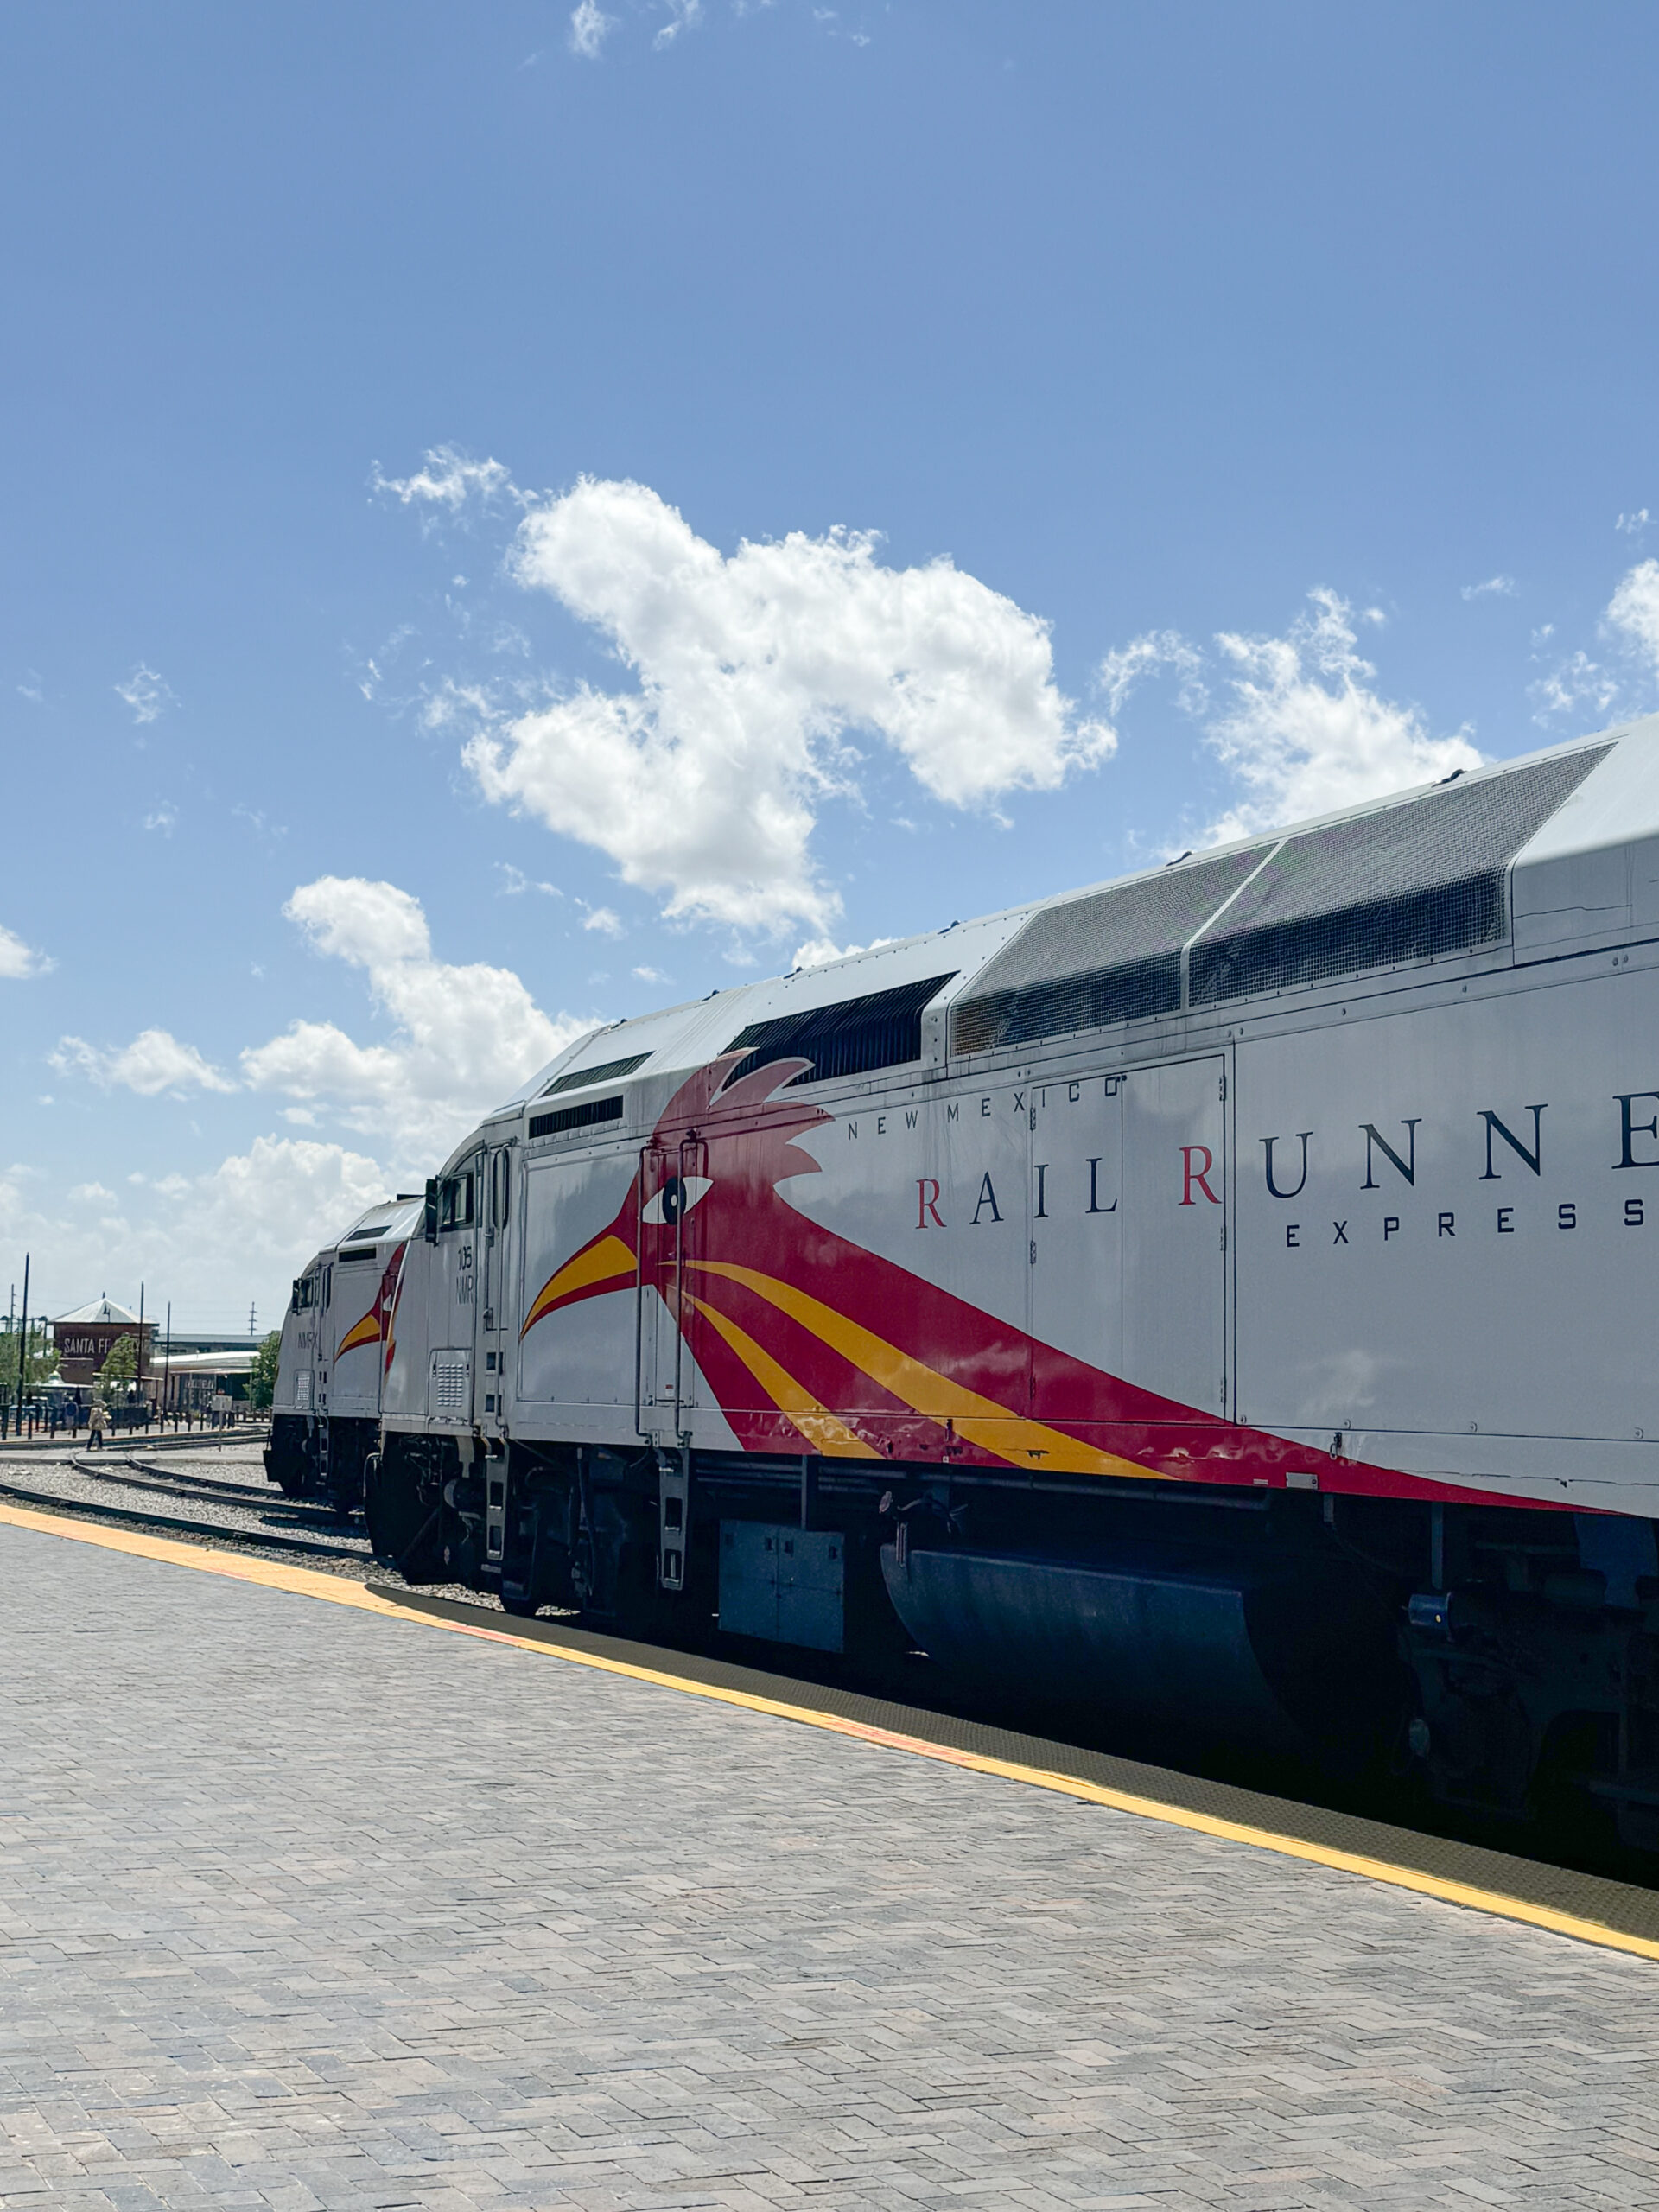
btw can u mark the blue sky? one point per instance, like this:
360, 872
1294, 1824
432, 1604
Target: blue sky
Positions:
1279, 384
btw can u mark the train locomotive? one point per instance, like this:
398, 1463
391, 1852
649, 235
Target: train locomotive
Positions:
336, 1338
1223, 1298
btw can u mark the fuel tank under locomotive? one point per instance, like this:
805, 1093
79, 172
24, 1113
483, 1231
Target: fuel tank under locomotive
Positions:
1263, 1653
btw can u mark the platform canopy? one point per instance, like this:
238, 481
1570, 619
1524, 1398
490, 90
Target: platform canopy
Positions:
209, 1362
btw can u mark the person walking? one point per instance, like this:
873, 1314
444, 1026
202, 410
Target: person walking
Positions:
99, 1424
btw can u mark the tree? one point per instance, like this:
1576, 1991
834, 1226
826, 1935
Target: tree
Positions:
262, 1376
120, 1365
39, 1363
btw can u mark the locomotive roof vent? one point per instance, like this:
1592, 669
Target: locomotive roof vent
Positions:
1405, 882
610, 1071
1111, 956
882, 1030
1422, 878
587, 1116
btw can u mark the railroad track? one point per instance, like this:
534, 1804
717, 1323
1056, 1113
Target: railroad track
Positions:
201, 1439
177, 1524
144, 1477
212, 1439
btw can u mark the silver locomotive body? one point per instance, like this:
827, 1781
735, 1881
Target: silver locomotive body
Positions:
336, 1339
1224, 1296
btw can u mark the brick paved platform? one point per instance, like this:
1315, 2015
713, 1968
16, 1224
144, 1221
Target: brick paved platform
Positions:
303, 1908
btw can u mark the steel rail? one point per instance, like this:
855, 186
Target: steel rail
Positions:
144, 1477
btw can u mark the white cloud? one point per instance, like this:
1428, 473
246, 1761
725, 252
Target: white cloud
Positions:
1578, 682
589, 27
170, 1187
206, 1244
316, 1059
1633, 611
1126, 665
155, 1061
819, 952
651, 975
701, 784
605, 920
1305, 734
19, 961
448, 480
164, 817
146, 693
462, 1037
683, 16
33, 689
1494, 587
285, 1196
1633, 525
375, 925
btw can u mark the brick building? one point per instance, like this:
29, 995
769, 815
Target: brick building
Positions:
82, 1340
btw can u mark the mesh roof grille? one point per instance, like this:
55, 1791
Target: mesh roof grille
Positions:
882, 1030
1110, 957
611, 1071
1404, 883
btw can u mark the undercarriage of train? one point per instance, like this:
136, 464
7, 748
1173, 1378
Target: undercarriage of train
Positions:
1500, 1661
310, 1456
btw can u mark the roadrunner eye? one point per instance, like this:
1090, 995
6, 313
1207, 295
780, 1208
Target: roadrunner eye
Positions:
675, 1198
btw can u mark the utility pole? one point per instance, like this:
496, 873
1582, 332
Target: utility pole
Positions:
138, 1368
167, 1358
22, 1348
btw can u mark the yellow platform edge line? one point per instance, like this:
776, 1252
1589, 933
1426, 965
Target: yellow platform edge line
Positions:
343, 1590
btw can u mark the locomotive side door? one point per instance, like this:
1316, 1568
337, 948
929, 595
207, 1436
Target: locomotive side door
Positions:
672, 1178
495, 1227
325, 1358
1128, 1236
307, 1302
1076, 1232
451, 1294
1175, 1231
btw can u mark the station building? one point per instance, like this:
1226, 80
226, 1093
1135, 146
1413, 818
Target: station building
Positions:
83, 1339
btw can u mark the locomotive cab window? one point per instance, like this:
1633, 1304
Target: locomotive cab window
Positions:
307, 1288
455, 1201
